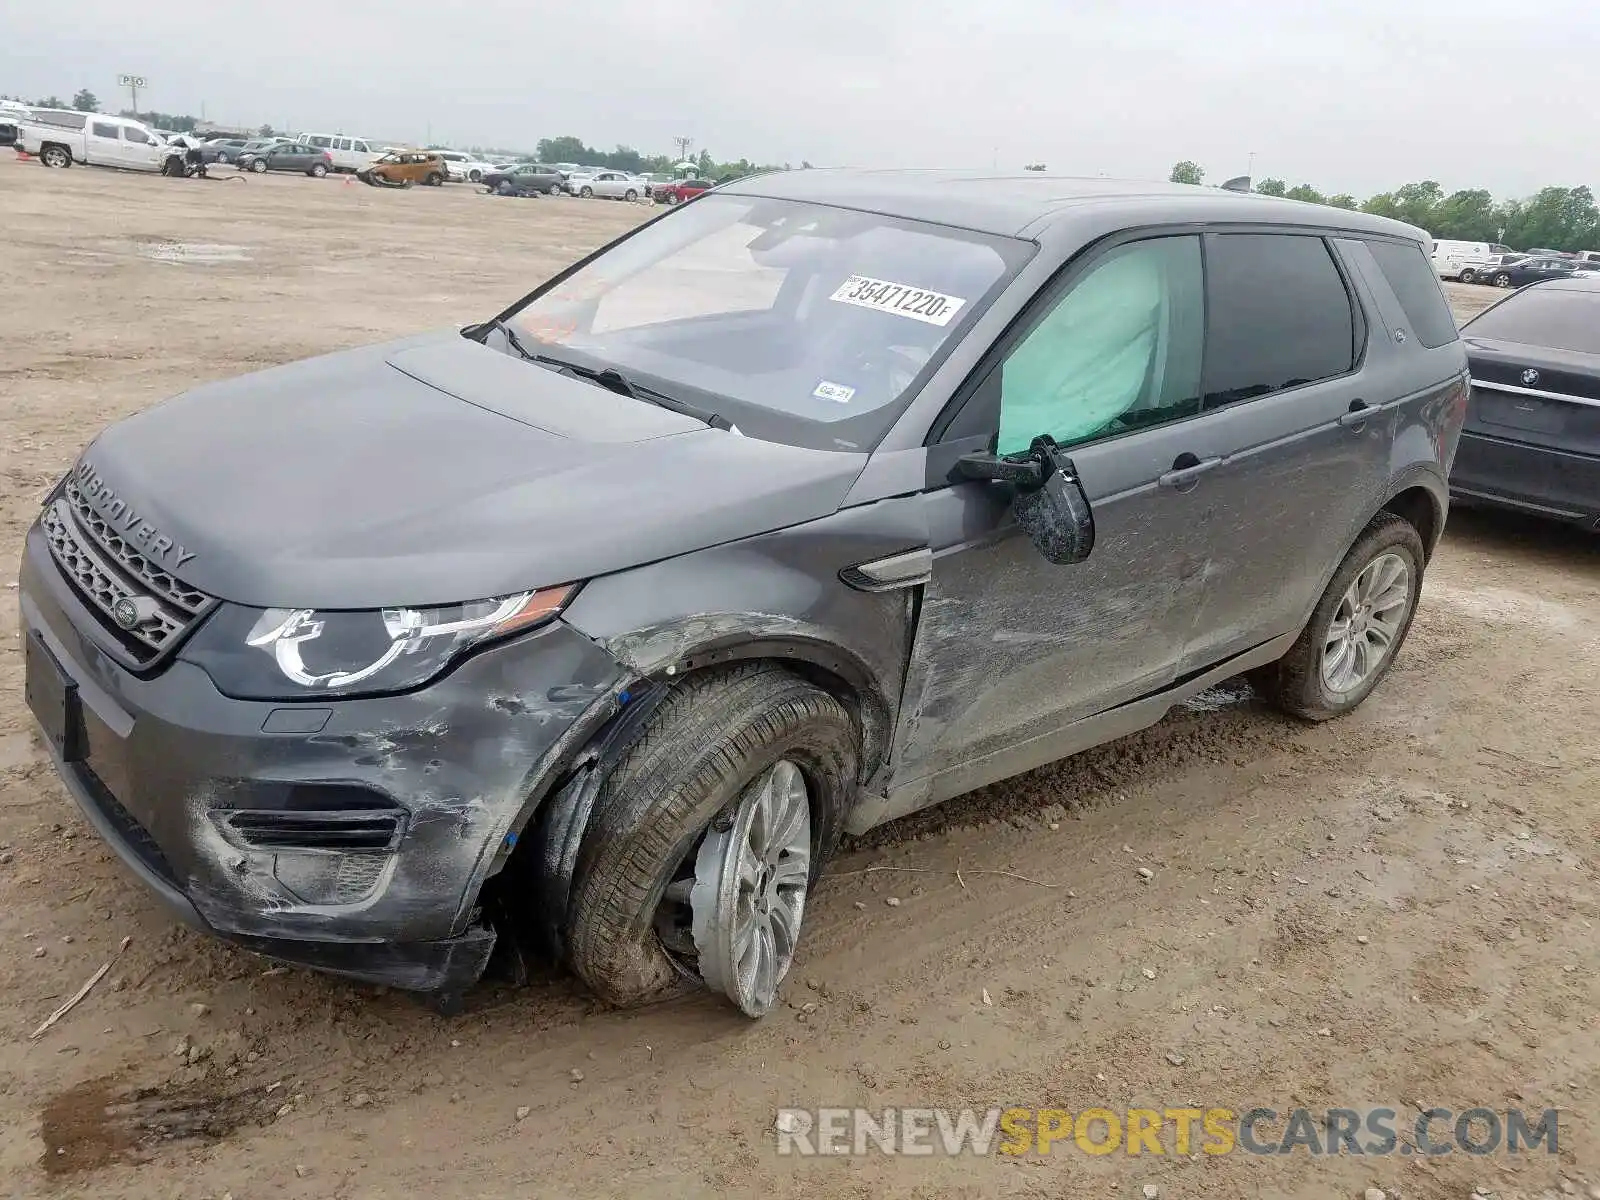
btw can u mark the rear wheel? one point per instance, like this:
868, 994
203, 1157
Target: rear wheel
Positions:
433, 179
555, 189
1469, 275
1356, 629
318, 170
707, 837
55, 156
475, 176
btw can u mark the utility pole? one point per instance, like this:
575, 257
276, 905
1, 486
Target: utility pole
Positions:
684, 143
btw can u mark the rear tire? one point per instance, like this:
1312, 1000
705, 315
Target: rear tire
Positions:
55, 157
318, 170
433, 179
1469, 275
709, 740
1306, 681
555, 189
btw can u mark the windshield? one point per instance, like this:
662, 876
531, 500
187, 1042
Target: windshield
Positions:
1560, 318
798, 322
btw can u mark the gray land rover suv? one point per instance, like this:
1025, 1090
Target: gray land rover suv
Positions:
825, 498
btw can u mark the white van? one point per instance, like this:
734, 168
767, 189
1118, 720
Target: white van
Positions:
1462, 260
348, 153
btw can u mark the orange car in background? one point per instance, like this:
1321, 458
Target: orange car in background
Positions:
402, 168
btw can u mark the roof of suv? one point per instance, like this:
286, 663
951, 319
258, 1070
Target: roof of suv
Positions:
1009, 204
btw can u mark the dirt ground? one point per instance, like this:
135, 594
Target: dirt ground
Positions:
1394, 909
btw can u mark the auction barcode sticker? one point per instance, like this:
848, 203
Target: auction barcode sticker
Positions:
901, 299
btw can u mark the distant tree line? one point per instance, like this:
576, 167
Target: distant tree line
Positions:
1557, 218
626, 158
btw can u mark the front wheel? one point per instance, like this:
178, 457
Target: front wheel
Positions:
259, 166
319, 170
672, 197
1357, 627
707, 837
55, 156
475, 176
586, 193
1502, 280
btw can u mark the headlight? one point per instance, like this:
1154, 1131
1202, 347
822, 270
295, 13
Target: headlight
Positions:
295, 653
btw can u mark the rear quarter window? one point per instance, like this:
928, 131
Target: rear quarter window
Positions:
1416, 286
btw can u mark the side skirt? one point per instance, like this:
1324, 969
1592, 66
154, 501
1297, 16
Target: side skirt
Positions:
1049, 747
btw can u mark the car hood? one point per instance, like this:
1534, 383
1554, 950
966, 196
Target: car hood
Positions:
432, 471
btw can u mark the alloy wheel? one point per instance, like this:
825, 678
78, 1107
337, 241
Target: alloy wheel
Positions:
1366, 623
750, 881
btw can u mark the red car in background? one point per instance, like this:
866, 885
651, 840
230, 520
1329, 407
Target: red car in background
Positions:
679, 190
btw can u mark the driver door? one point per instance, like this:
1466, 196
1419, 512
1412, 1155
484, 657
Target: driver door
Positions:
1009, 649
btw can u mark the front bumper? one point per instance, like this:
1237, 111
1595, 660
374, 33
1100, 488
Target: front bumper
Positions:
1533, 479
164, 766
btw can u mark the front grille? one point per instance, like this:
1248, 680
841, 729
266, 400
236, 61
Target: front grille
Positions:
112, 575
163, 583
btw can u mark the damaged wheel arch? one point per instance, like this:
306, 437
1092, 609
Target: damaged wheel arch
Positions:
708, 740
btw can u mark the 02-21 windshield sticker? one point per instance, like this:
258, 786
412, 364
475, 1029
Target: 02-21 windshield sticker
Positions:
901, 299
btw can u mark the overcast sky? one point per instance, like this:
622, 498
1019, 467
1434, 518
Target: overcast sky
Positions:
1350, 95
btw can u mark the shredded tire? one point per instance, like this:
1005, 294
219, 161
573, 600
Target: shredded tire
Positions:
1294, 683
708, 740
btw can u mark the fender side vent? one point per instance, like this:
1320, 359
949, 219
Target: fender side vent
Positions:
339, 831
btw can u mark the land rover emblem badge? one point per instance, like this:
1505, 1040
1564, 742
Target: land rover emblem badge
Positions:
125, 612
1530, 377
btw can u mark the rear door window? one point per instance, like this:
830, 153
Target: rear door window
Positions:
1417, 288
1278, 315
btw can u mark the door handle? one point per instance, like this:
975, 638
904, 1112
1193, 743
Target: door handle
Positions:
1360, 412
1186, 471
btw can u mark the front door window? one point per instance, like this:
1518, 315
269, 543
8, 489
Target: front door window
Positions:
1120, 351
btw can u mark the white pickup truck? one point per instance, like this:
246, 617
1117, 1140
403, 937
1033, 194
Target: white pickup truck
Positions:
59, 138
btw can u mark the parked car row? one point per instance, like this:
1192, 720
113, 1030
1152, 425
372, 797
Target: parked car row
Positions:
1500, 266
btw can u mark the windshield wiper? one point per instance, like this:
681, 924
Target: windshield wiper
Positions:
508, 333
608, 377
616, 381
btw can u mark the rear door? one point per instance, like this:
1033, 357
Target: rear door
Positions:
102, 143
1297, 440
